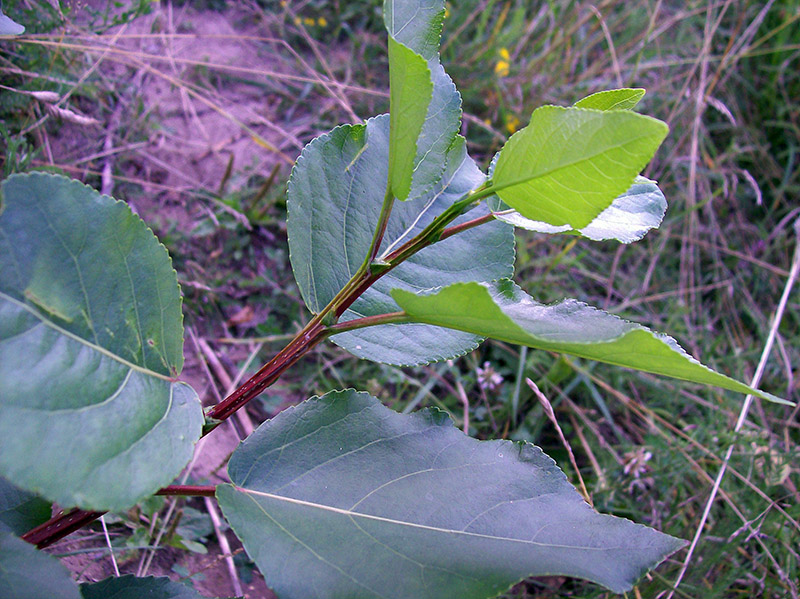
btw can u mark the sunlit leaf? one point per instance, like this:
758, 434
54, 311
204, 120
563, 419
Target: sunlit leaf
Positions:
342, 497
425, 106
569, 164
503, 311
91, 339
410, 93
613, 99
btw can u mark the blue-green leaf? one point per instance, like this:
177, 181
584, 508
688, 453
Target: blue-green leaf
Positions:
342, 497
91, 338
26, 573
335, 196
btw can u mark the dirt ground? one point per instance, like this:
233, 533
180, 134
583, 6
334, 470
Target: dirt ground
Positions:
206, 131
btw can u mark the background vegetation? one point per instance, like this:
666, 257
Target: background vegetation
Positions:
193, 112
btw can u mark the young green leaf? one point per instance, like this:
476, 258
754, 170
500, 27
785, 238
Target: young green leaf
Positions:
334, 198
629, 217
421, 508
32, 574
613, 99
410, 94
569, 164
91, 337
20, 511
503, 311
131, 587
425, 106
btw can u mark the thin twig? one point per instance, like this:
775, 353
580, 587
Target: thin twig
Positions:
548, 409
224, 546
110, 548
776, 320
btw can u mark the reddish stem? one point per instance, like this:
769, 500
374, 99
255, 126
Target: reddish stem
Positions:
269, 373
189, 490
59, 527
455, 229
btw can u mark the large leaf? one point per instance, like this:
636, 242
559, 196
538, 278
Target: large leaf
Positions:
503, 311
131, 587
20, 511
90, 339
569, 164
335, 196
613, 99
342, 497
425, 106
629, 217
26, 573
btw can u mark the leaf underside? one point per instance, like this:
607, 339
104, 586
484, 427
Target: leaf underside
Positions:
503, 311
90, 335
629, 217
422, 510
10, 27
334, 198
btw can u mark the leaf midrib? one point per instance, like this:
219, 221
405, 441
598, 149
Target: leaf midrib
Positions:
79, 339
554, 169
352, 514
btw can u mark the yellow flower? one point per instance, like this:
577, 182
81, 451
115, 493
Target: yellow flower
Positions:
512, 124
322, 22
297, 21
504, 54
501, 69
284, 3
309, 21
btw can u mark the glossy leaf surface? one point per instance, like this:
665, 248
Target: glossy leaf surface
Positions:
569, 164
629, 217
20, 511
90, 335
613, 99
131, 587
26, 573
342, 497
503, 311
425, 108
335, 196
